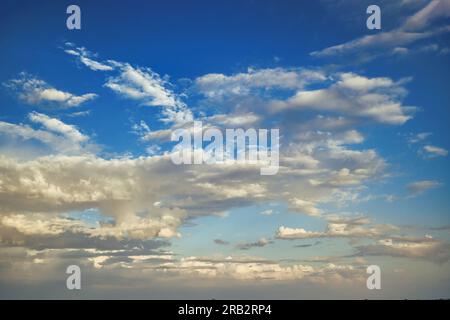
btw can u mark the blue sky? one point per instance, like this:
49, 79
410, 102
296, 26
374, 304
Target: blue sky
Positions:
363, 118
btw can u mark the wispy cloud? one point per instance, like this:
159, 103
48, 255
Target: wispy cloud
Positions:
257, 244
141, 84
419, 26
87, 58
435, 151
421, 248
419, 187
221, 242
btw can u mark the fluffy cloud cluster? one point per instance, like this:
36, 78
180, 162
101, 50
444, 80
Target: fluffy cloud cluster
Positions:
352, 94
143, 195
416, 248
54, 135
258, 269
37, 92
338, 227
142, 199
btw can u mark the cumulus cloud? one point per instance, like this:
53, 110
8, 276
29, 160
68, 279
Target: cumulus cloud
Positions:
85, 181
421, 248
352, 94
242, 269
56, 135
319, 165
234, 120
215, 85
145, 199
127, 189
157, 265
40, 224
305, 206
58, 126
337, 227
426, 248
38, 93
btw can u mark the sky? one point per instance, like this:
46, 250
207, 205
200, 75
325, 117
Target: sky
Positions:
86, 176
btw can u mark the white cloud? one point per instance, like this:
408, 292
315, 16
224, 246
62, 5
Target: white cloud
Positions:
435, 151
215, 85
126, 188
352, 94
250, 268
41, 224
140, 84
85, 57
296, 233
352, 228
143, 85
416, 27
37, 92
58, 126
267, 212
234, 120
304, 206
318, 165
56, 135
